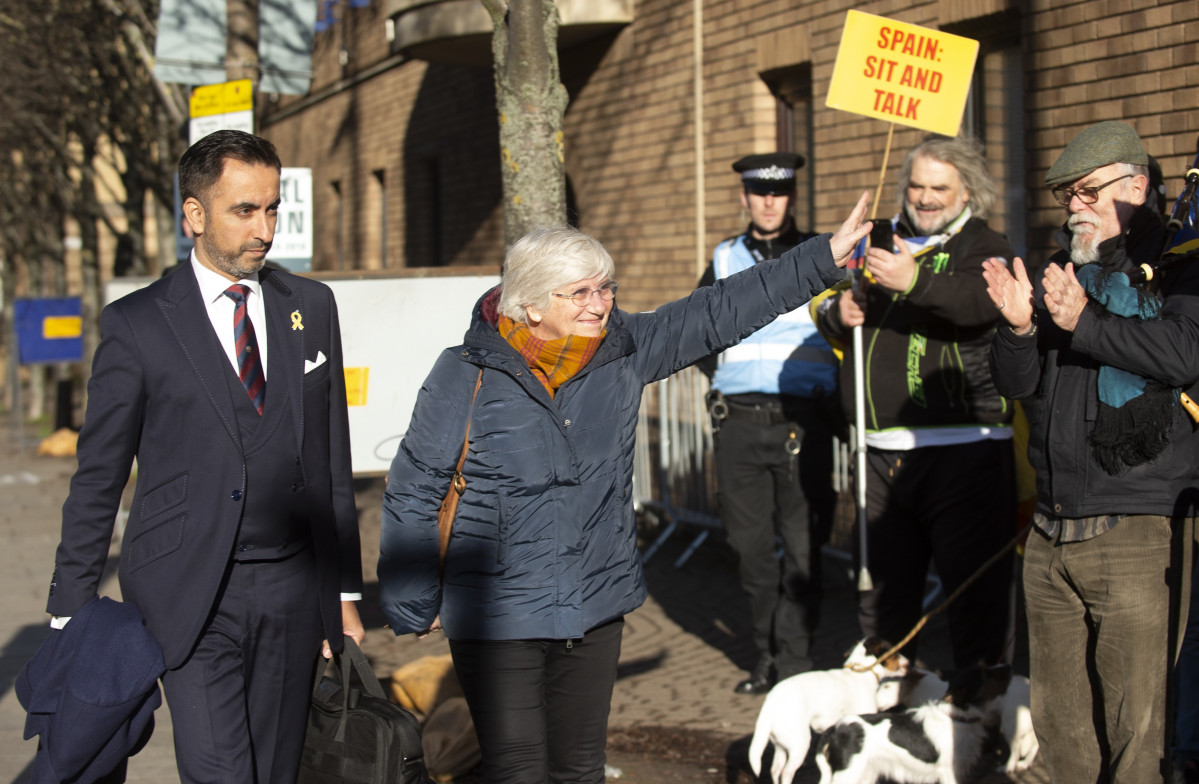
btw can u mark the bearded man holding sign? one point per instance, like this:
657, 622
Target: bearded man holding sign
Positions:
940, 468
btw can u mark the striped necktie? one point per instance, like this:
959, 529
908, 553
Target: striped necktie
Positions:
249, 366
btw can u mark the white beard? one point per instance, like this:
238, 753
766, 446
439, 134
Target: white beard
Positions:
1084, 246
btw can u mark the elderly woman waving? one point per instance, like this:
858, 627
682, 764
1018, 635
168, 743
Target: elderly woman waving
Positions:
542, 564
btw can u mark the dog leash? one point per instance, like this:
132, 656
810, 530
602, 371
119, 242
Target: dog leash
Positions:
957, 592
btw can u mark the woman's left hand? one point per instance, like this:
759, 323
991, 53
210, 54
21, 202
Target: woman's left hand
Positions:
851, 232
433, 627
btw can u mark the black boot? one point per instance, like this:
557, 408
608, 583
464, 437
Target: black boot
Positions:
760, 680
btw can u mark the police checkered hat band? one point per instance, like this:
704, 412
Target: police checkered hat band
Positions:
769, 173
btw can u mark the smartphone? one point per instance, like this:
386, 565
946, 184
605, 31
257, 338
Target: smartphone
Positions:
880, 235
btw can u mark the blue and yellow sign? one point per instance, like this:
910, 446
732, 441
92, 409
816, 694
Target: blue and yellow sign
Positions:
49, 330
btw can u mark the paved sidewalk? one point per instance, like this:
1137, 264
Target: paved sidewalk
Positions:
683, 651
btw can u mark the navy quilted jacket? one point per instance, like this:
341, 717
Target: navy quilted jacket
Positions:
544, 545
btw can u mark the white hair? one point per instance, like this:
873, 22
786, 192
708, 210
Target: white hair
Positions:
545, 259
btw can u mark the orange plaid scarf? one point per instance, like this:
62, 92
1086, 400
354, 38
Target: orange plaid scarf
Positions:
554, 362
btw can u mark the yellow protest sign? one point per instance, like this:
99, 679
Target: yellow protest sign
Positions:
902, 73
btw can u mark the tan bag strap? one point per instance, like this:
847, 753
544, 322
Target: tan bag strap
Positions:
458, 482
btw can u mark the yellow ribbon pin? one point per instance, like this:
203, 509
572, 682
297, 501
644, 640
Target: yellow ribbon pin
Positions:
296, 320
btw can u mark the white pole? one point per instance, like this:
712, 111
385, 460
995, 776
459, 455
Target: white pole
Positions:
865, 583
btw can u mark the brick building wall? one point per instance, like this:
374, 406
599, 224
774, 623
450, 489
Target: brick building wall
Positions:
386, 138
421, 138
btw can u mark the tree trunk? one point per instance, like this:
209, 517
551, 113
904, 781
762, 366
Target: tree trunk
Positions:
531, 102
164, 217
131, 245
92, 298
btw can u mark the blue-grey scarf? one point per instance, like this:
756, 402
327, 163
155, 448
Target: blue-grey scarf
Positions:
1135, 413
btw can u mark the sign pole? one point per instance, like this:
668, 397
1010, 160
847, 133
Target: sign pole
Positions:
882, 173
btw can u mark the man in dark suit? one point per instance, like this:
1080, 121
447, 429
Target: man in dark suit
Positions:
224, 380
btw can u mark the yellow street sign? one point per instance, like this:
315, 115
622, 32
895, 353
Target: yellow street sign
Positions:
223, 98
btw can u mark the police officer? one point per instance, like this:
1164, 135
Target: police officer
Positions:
770, 401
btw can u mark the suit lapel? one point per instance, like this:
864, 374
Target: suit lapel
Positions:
285, 351
187, 317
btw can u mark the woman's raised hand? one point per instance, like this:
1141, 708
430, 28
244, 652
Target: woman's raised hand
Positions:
851, 232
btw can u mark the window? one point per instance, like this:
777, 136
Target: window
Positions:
792, 89
339, 224
995, 116
424, 244
380, 204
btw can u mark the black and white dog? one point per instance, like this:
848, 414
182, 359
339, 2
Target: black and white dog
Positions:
1018, 746
938, 743
811, 701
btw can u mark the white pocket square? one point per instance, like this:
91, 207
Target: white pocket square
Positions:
312, 364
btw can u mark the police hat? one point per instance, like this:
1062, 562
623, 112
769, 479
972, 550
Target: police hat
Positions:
769, 173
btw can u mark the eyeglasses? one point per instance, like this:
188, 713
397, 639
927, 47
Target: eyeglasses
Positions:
1087, 195
582, 297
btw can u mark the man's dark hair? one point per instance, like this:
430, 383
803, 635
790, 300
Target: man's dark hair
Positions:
202, 164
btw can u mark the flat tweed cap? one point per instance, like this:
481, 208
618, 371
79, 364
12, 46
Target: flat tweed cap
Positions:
1102, 143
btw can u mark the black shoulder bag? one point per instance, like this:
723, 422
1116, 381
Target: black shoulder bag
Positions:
355, 734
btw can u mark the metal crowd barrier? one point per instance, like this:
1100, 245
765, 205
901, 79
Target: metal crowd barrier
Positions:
673, 474
674, 477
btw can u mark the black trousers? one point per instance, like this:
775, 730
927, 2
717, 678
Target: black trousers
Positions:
239, 704
540, 707
955, 505
767, 490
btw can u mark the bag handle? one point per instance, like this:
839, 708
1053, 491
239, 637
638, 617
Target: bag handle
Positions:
351, 659
366, 674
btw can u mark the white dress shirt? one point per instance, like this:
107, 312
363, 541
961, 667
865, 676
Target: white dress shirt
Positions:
220, 310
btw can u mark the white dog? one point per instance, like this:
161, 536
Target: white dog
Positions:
814, 701
1017, 727
917, 687
940, 742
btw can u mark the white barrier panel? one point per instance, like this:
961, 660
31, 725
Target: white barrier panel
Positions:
393, 327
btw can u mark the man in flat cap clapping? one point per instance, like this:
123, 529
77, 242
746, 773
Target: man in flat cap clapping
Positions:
1100, 364
774, 439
